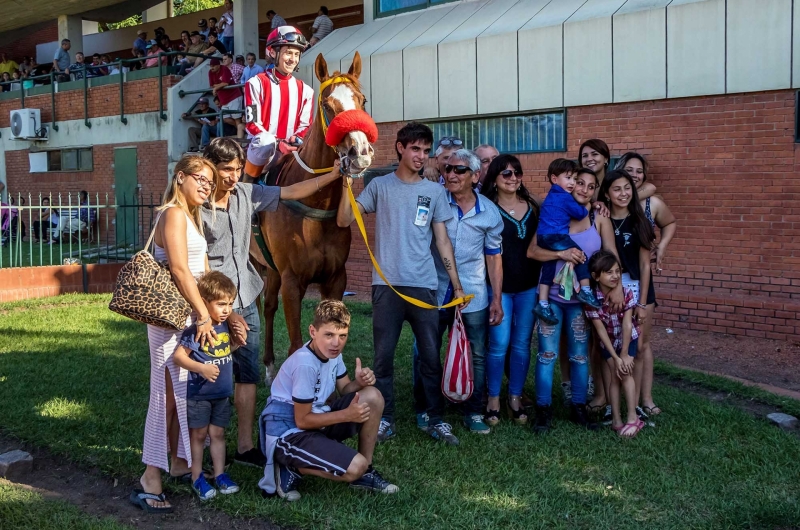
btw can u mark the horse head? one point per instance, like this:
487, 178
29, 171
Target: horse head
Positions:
339, 96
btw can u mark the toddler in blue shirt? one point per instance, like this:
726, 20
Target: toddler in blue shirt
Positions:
558, 209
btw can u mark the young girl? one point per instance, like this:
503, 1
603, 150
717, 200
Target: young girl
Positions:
618, 336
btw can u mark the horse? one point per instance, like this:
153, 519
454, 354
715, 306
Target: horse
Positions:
302, 237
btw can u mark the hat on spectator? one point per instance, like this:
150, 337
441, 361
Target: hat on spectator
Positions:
141, 32
152, 43
203, 100
240, 57
202, 23
194, 34
214, 62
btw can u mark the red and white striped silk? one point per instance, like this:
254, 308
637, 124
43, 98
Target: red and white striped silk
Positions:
457, 377
284, 109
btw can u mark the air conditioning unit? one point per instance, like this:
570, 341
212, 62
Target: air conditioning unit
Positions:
26, 124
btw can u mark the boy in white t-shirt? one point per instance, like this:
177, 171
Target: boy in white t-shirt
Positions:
301, 434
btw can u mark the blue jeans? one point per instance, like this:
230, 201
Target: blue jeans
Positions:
476, 324
246, 359
515, 330
228, 43
209, 132
558, 242
577, 330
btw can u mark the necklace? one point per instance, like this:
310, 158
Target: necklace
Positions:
618, 226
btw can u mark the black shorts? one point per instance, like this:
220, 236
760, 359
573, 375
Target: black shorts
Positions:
204, 412
322, 449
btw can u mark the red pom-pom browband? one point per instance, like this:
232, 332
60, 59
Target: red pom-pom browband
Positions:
349, 121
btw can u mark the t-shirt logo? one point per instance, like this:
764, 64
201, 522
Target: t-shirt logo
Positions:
423, 210
220, 348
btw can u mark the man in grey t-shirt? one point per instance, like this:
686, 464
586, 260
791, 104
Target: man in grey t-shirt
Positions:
409, 213
61, 61
321, 27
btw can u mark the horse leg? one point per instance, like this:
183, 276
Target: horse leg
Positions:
333, 289
292, 293
272, 285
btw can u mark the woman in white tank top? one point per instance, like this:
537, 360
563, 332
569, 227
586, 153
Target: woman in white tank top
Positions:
179, 242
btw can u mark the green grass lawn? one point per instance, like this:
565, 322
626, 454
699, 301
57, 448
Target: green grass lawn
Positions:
74, 378
21, 508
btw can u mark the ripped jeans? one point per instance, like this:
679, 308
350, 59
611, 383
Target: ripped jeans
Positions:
578, 330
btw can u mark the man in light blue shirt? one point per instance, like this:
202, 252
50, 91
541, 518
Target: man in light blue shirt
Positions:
252, 69
61, 61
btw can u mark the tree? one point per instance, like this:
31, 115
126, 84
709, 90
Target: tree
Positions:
180, 7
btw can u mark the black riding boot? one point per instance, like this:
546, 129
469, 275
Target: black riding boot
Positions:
579, 416
544, 416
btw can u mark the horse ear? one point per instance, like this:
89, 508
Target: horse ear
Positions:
321, 68
355, 68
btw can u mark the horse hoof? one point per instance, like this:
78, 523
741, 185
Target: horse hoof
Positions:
269, 376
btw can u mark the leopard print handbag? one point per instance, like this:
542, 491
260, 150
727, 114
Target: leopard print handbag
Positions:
145, 292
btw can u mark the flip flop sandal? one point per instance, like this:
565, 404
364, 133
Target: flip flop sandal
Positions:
636, 426
655, 410
492, 417
517, 415
139, 498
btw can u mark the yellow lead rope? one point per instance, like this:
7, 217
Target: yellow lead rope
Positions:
409, 299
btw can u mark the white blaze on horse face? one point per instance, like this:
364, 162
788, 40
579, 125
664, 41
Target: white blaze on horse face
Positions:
359, 151
345, 96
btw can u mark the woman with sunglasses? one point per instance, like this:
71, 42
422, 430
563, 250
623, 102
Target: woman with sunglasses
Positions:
520, 213
179, 241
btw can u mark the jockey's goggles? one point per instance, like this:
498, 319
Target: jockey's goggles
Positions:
290, 39
458, 170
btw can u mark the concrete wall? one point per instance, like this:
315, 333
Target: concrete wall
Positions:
37, 282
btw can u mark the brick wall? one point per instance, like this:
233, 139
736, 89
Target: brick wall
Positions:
37, 282
728, 168
140, 96
26, 44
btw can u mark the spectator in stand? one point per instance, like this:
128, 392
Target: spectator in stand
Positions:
219, 77
275, 20
203, 28
115, 68
226, 25
7, 65
185, 41
140, 43
105, 63
195, 133
197, 46
61, 61
159, 31
16, 77
95, 69
212, 25
152, 53
322, 26
235, 68
252, 69
27, 66
164, 43
78, 68
48, 221
215, 45
5, 79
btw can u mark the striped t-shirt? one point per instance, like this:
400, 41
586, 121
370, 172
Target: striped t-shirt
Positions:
322, 27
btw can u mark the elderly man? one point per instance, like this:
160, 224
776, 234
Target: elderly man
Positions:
252, 69
486, 153
476, 232
434, 169
275, 20
78, 68
140, 44
61, 61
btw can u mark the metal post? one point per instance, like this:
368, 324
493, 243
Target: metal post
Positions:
161, 112
53, 99
22, 95
122, 117
86, 99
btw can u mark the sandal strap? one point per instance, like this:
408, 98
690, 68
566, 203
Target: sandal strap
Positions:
493, 414
152, 496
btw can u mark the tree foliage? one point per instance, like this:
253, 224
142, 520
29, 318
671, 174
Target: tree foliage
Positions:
179, 7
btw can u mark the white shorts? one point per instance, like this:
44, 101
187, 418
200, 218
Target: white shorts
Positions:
236, 104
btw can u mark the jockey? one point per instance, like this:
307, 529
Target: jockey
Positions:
278, 107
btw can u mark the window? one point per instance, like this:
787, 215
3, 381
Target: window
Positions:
393, 7
67, 160
530, 133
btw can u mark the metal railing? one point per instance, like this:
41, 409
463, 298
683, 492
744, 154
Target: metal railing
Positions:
60, 229
54, 76
218, 114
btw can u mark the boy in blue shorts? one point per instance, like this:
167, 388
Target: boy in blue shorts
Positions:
210, 385
558, 209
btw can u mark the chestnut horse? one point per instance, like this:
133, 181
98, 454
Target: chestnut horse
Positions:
306, 244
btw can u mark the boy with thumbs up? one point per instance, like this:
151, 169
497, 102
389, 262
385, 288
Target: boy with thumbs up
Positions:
301, 434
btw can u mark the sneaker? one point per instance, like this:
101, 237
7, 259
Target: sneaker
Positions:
474, 423
422, 421
373, 481
443, 432
566, 391
544, 417
587, 297
607, 417
545, 314
578, 416
286, 481
386, 430
203, 489
253, 458
590, 389
642, 414
225, 485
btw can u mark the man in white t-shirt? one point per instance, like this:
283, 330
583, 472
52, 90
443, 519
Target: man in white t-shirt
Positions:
302, 434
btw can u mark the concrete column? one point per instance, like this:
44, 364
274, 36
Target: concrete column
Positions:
369, 11
245, 27
157, 12
71, 27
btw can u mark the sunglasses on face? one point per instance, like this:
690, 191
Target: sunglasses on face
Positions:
458, 170
507, 173
447, 140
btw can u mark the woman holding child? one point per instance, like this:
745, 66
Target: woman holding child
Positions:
179, 241
586, 233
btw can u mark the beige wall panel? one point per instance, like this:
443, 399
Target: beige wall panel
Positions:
540, 68
587, 62
695, 48
458, 85
386, 72
497, 73
759, 44
420, 83
640, 55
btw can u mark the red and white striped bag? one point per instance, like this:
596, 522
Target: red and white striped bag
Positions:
457, 379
